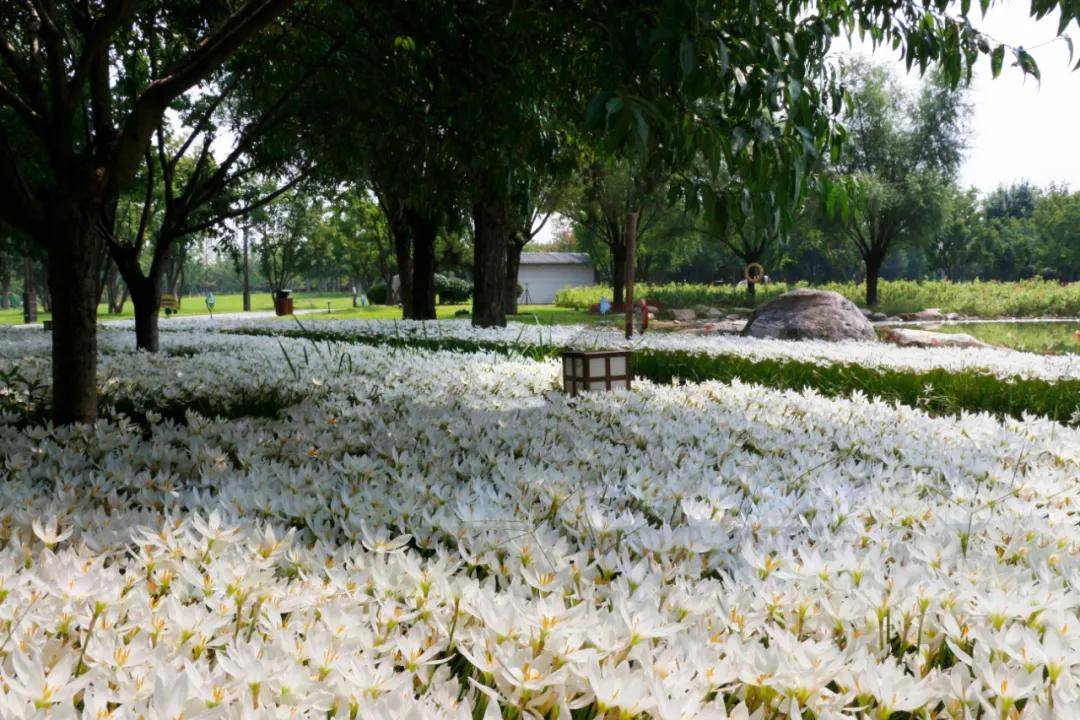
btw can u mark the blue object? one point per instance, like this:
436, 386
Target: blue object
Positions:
363, 300
605, 306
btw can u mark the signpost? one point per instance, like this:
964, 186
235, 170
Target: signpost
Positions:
211, 301
169, 303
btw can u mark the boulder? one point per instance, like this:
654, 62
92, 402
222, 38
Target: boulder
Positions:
680, 314
878, 317
711, 314
907, 337
927, 314
683, 315
866, 312
810, 315
740, 312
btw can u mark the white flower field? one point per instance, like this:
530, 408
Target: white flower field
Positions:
998, 362
431, 534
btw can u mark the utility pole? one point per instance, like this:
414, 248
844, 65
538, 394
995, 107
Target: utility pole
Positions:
628, 298
247, 283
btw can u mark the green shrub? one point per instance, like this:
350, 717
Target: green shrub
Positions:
376, 294
1027, 298
939, 392
452, 290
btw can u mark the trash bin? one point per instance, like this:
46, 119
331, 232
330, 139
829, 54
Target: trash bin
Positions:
283, 304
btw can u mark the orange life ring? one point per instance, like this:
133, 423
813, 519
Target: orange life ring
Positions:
754, 278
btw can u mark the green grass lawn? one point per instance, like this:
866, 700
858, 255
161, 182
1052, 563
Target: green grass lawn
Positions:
1037, 337
544, 314
340, 305
230, 303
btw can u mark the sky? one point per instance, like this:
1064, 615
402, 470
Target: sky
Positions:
1021, 129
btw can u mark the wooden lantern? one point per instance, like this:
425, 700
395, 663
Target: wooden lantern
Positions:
585, 370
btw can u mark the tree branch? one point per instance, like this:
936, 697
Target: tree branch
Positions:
251, 207
18, 206
97, 42
30, 83
148, 200
193, 68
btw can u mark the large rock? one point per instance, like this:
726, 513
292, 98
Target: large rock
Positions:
906, 337
680, 314
809, 315
929, 314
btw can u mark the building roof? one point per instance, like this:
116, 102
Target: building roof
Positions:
555, 258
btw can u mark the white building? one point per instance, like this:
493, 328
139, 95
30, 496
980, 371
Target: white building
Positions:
542, 274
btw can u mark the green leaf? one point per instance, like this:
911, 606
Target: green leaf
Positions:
1027, 64
996, 59
641, 126
686, 56
594, 113
739, 139
612, 107
795, 89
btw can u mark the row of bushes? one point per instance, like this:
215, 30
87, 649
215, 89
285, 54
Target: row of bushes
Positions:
939, 392
1027, 298
449, 290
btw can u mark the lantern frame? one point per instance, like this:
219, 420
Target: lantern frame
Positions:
585, 370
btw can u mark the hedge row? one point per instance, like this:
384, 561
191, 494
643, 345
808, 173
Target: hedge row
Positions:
939, 392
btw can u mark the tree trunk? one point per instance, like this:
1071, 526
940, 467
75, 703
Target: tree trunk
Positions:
513, 265
423, 231
631, 246
873, 271
5, 289
73, 279
119, 310
29, 289
115, 290
145, 294
247, 275
5, 280
403, 253
45, 298
491, 234
146, 299
618, 273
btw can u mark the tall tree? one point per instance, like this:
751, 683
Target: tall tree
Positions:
284, 230
610, 192
61, 65
955, 244
900, 155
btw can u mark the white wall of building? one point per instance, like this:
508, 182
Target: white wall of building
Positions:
542, 281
